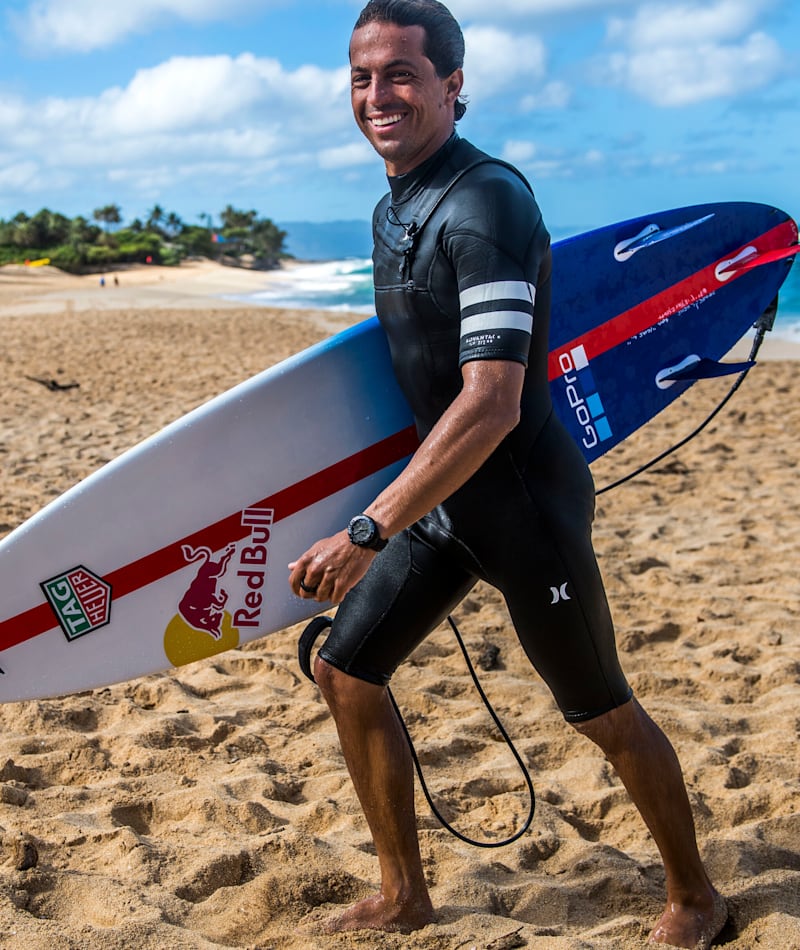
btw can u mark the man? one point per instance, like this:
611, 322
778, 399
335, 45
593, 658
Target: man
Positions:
497, 490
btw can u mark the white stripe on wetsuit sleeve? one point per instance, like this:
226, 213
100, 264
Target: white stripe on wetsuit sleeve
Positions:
484, 296
498, 290
497, 320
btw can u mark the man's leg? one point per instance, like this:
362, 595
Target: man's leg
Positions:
380, 766
649, 769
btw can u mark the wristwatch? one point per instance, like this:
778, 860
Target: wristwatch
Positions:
363, 532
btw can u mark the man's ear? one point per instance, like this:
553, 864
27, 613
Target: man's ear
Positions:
453, 85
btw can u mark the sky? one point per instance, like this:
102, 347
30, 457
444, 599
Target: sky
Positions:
612, 108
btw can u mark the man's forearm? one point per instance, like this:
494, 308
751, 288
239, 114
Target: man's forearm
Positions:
476, 422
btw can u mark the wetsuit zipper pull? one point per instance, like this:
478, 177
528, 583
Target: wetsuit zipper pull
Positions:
408, 253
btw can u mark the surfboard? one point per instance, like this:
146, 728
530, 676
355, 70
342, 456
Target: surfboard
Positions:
177, 550
644, 308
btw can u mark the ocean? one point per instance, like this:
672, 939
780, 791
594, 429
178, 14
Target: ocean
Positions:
347, 285
324, 285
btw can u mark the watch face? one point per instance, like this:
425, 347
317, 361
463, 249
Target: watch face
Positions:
362, 530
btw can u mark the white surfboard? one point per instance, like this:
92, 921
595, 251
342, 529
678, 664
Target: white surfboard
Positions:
177, 550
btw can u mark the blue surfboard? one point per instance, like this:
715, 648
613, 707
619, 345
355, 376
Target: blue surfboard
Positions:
643, 308
177, 550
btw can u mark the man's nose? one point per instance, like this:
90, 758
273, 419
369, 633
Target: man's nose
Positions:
379, 92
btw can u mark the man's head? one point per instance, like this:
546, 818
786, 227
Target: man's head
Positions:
406, 78
444, 41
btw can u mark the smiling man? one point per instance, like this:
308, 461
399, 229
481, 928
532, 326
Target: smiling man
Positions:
398, 99
497, 490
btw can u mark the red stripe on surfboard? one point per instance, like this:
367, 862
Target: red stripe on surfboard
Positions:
286, 502
649, 312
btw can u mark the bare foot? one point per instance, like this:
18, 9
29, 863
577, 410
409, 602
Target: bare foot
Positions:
377, 913
690, 928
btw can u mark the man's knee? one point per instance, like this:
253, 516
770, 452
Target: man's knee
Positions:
611, 730
327, 678
341, 690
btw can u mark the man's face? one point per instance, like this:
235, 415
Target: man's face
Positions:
403, 108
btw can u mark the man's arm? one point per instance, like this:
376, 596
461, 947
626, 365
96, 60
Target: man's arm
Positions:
475, 423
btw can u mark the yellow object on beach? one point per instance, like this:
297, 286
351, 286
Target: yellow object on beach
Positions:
42, 262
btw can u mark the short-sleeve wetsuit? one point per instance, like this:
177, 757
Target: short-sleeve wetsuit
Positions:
462, 272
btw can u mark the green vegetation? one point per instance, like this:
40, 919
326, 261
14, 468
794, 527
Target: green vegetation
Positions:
79, 246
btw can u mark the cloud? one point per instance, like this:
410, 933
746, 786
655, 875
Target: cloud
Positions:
553, 95
18, 176
209, 91
681, 54
528, 9
518, 152
580, 163
681, 76
346, 156
497, 61
678, 23
181, 118
84, 25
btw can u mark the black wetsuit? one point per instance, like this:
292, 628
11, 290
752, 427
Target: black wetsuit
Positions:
462, 272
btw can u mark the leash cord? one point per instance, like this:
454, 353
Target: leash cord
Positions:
678, 445
763, 325
507, 739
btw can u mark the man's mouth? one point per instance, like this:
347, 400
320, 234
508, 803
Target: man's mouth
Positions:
381, 122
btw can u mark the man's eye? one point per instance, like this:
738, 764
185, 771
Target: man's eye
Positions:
360, 82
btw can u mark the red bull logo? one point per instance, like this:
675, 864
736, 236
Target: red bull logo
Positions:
203, 626
201, 605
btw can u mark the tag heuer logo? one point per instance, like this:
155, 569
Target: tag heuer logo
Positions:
80, 600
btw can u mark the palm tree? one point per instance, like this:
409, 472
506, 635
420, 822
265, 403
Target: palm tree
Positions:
154, 219
110, 214
174, 224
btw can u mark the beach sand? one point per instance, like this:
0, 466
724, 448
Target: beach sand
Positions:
209, 807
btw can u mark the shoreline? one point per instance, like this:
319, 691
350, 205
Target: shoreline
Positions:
203, 284
193, 284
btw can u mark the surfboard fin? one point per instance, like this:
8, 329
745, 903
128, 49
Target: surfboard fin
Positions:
698, 367
749, 258
652, 234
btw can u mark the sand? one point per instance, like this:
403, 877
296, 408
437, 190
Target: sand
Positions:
209, 806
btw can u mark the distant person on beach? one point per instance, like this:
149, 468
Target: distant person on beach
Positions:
497, 490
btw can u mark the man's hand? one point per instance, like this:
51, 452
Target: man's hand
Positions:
329, 569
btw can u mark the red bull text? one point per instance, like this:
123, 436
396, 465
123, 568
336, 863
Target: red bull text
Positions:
253, 565
211, 615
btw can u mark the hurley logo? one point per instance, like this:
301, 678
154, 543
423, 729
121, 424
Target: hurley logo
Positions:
559, 594
80, 600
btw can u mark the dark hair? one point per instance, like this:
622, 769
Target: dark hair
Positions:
444, 41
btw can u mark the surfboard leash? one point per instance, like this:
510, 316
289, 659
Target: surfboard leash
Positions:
304, 647
762, 326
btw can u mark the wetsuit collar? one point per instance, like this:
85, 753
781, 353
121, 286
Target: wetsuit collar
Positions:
407, 185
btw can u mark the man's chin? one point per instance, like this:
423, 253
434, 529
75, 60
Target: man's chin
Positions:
389, 151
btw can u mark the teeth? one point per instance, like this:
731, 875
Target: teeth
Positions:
389, 120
